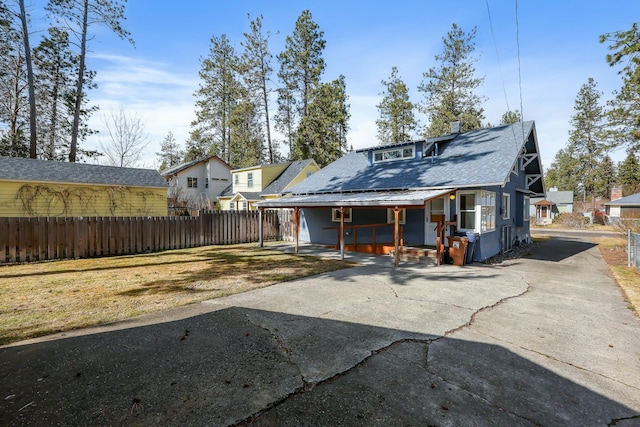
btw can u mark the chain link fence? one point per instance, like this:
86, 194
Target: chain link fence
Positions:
633, 250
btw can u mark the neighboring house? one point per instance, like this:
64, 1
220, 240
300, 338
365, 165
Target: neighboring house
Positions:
263, 182
478, 182
197, 184
625, 207
555, 203
30, 187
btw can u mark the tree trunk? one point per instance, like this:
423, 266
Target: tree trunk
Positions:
79, 88
32, 93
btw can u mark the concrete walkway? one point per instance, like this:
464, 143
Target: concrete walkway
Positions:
542, 340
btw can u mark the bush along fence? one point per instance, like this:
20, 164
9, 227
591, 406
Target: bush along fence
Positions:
50, 238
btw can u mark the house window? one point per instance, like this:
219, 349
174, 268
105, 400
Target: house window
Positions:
192, 182
335, 214
309, 173
468, 211
250, 180
206, 183
487, 211
236, 179
525, 208
394, 154
506, 206
244, 205
391, 217
478, 206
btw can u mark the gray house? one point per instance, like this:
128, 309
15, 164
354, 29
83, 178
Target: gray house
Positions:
419, 192
547, 208
625, 207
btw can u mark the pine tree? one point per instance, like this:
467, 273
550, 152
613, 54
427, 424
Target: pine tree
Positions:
256, 72
78, 16
170, 154
629, 174
624, 109
605, 177
510, 117
323, 131
217, 97
55, 67
246, 137
562, 174
587, 138
397, 121
449, 89
301, 66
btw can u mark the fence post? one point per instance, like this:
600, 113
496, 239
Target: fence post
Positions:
628, 247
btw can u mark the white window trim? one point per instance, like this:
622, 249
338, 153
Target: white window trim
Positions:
506, 206
391, 217
525, 208
402, 156
478, 211
335, 215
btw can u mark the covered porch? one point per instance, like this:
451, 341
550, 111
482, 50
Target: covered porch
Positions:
418, 215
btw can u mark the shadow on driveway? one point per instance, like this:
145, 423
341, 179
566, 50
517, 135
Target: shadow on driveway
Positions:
236, 366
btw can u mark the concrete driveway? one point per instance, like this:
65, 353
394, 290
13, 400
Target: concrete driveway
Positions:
542, 340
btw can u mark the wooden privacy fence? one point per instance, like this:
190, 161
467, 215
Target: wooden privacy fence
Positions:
49, 238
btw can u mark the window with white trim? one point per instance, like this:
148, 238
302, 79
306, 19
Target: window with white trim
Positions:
250, 180
487, 210
506, 206
467, 211
391, 216
477, 207
335, 215
236, 179
525, 208
392, 154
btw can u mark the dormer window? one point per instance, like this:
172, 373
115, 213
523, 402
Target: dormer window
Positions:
392, 154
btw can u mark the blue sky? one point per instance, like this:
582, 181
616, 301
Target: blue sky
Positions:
559, 51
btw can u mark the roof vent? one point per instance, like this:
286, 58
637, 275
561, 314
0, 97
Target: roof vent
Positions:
456, 127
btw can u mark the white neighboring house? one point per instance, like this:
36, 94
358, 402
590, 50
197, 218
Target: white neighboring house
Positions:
197, 184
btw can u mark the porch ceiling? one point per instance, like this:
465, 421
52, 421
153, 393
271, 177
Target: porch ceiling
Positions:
382, 198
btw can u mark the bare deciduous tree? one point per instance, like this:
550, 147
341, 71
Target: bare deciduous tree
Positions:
127, 139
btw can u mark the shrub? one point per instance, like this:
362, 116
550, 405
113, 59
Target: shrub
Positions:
571, 220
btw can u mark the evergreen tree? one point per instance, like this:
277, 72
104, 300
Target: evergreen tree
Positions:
55, 67
246, 136
256, 72
323, 131
587, 138
217, 96
624, 111
605, 177
78, 16
449, 89
170, 154
198, 145
629, 174
301, 66
510, 117
397, 121
562, 174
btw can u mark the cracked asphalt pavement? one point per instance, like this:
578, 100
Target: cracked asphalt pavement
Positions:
546, 339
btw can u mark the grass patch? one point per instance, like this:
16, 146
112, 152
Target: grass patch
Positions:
614, 252
44, 298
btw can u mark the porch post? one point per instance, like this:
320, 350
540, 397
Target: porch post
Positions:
260, 229
396, 234
296, 226
342, 232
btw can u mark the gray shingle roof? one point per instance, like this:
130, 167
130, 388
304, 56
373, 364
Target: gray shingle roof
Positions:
178, 168
475, 158
280, 183
33, 170
632, 200
558, 197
